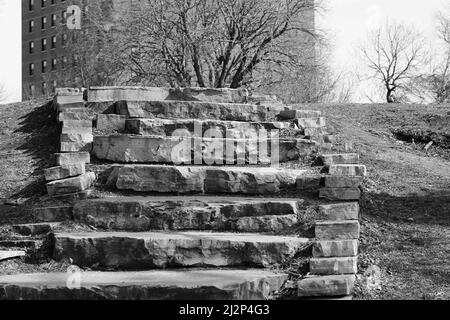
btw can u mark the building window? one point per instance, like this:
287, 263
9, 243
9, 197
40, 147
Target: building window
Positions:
44, 88
43, 22
33, 89
43, 3
64, 62
31, 26
31, 5
44, 44
44, 66
64, 39
55, 85
31, 47
53, 42
64, 16
54, 64
53, 20
53, 2
31, 69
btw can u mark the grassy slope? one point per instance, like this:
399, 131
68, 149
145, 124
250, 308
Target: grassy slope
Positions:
406, 207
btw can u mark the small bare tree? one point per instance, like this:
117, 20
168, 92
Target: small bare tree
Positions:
394, 54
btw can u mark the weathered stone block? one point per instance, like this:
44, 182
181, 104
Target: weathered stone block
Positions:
343, 181
71, 185
299, 114
340, 211
329, 249
111, 122
74, 197
337, 230
74, 116
340, 194
180, 249
333, 266
65, 171
53, 214
331, 159
312, 183
76, 142
304, 123
327, 286
32, 229
348, 170
72, 158
70, 126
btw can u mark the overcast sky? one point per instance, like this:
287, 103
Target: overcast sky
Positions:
346, 20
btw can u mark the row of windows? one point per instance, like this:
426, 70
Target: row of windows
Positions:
31, 3
44, 43
43, 88
44, 21
44, 65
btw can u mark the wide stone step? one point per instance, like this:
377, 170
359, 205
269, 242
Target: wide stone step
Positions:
71, 185
209, 151
208, 180
196, 110
145, 285
105, 94
188, 213
326, 286
175, 249
199, 128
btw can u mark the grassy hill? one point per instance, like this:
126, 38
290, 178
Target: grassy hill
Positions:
406, 204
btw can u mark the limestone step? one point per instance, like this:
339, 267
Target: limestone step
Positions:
11, 254
333, 266
343, 181
337, 230
331, 159
32, 229
332, 249
53, 214
72, 158
348, 170
111, 122
65, 171
71, 185
105, 94
196, 110
340, 211
144, 285
340, 194
71, 116
208, 180
175, 249
209, 151
308, 123
76, 142
77, 126
199, 128
326, 286
292, 114
188, 213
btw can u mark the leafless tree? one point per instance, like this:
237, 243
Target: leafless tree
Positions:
394, 54
219, 43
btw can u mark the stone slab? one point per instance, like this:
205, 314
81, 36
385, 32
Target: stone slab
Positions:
204, 128
327, 286
304, 123
179, 249
340, 194
53, 214
339, 211
299, 114
184, 150
32, 229
74, 116
72, 158
111, 122
342, 181
330, 249
7, 254
145, 285
186, 213
331, 159
333, 266
76, 142
71, 185
195, 110
337, 230
65, 171
348, 170
209, 180
105, 94
74, 197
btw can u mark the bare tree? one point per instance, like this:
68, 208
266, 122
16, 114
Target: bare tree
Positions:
394, 54
219, 43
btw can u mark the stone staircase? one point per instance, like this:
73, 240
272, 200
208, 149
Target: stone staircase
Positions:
185, 202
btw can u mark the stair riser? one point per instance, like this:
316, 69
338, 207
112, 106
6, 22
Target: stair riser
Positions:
174, 150
133, 253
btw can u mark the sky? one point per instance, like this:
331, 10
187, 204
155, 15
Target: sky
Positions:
347, 22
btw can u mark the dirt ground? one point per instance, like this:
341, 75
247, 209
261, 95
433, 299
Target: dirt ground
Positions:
405, 244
